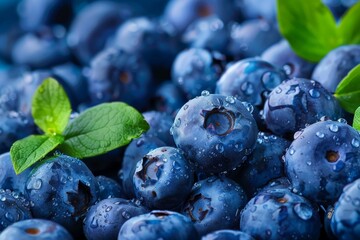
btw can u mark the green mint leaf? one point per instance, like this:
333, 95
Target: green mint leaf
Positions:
27, 151
102, 128
356, 121
51, 107
309, 27
349, 25
348, 90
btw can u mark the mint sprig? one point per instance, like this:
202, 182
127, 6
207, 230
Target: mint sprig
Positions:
356, 121
348, 90
95, 131
311, 30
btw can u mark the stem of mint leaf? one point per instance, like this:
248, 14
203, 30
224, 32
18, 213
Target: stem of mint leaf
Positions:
95, 131
311, 30
348, 90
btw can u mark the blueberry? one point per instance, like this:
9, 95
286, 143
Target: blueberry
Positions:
13, 208
336, 65
62, 189
227, 235
323, 158
37, 229
70, 76
280, 214
166, 225
181, 13
163, 178
168, 98
104, 219
14, 126
215, 203
149, 39
35, 14
250, 80
278, 183
109, 188
8, 178
296, 103
119, 76
265, 9
209, 33
135, 151
216, 132
251, 38
93, 26
346, 216
160, 124
42, 49
282, 56
196, 70
264, 164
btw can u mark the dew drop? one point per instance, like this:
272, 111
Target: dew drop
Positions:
314, 93
37, 184
334, 128
304, 211
205, 93
320, 134
355, 143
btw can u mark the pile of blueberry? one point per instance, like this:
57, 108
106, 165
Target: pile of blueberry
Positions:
246, 139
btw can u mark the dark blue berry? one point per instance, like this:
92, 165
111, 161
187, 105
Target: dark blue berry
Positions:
109, 188
336, 65
164, 225
346, 216
280, 214
227, 235
250, 80
36, 229
104, 219
215, 203
62, 189
160, 124
323, 158
282, 56
296, 103
196, 70
216, 132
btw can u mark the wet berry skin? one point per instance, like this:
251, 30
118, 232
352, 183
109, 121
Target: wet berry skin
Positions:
227, 235
14, 207
346, 217
163, 178
282, 56
62, 189
216, 132
251, 38
36, 229
264, 164
336, 65
195, 70
134, 152
104, 219
166, 225
215, 203
160, 124
250, 80
116, 75
280, 214
323, 158
109, 188
296, 103
8, 178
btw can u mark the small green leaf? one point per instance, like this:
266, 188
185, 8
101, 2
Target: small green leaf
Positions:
51, 107
349, 25
348, 90
356, 121
27, 151
102, 128
309, 27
